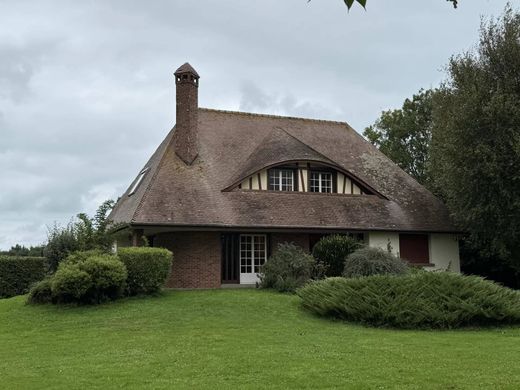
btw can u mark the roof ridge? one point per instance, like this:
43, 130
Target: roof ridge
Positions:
272, 116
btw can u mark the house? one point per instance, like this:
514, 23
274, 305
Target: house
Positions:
224, 188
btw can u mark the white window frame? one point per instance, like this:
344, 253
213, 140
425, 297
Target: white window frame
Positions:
321, 180
280, 173
138, 181
252, 277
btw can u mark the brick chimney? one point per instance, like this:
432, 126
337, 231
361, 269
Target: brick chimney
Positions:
185, 139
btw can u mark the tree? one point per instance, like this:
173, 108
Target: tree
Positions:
404, 134
475, 150
83, 234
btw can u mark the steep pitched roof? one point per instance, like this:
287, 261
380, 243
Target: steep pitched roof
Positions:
234, 145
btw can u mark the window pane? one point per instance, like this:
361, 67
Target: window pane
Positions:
281, 180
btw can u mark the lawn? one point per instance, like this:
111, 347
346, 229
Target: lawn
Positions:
237, 339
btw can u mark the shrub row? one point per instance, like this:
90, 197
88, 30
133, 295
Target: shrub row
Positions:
93, 277
18, 273
415, 300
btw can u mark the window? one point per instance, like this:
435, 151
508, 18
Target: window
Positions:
253, 251
320, 182
137, 182
414, 248
281, 180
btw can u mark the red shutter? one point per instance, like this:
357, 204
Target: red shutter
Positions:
414, 248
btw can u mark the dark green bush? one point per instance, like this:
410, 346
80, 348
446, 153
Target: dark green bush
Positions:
420, 300
373, 261
333, 250
70, 284
147, 268
91, 279
81, 256
41, 292
288, 268
18, 273
108, 276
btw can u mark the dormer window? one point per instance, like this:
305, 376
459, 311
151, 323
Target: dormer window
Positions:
321, 182
137, 182
281, 179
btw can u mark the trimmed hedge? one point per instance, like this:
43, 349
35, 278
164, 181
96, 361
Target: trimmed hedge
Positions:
41, 292
373, 261
333, 250
147, 268
417, 300
18, 273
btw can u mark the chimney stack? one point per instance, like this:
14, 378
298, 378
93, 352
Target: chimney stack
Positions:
185, 137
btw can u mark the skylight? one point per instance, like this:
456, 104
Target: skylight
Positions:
138, 181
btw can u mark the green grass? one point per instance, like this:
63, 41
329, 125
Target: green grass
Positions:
237, 339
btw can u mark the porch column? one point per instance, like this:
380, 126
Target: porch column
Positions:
137, 235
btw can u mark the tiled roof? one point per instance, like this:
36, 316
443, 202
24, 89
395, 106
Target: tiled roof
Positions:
234, 145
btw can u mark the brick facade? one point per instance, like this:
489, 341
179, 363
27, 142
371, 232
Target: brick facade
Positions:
196, 258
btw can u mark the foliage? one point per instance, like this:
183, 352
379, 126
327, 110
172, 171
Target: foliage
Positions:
373, 261
83, 234
475, 148
289, 268
21, 250
70, 284
418, 300
40, 292
18, 273
333, 250
81, 256
87, 278
147, 268
404, 134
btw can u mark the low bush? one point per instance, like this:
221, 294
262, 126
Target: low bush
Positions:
70, 284
373, 261
40, 292
333, 250
18, 273
147, 268
420, 300
87, 279
108, 276
81, 256
289, 268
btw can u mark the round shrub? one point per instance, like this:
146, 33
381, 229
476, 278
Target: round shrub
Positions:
419, 300
147, 268
40, 292
107, 274
373, 261
290, 267
70, 283
333, 250
81, 256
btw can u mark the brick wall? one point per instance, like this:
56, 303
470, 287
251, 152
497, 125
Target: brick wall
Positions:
196, 258
300, 239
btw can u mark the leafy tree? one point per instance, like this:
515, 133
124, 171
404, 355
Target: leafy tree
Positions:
475, 148
85, 233
404, 134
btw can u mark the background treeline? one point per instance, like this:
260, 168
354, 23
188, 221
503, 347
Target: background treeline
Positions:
462, 141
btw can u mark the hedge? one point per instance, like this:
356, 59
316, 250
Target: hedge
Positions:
18, 273
419, 300
147, 268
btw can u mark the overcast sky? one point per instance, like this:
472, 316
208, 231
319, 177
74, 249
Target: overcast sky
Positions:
87, 93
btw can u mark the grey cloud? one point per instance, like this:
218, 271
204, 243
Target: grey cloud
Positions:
87, 94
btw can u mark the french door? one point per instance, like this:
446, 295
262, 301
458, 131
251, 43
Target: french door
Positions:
253, 253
